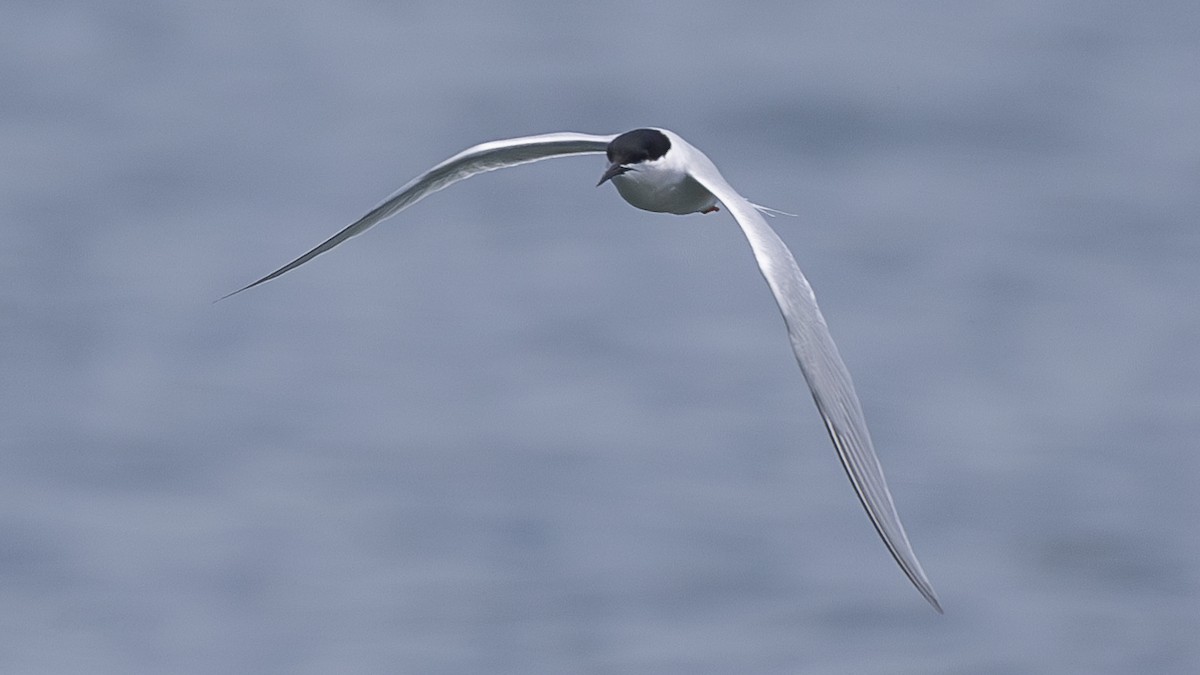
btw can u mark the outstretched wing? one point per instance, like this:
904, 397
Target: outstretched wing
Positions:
823, 369
475, 160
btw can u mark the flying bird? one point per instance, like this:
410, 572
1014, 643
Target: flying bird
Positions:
656, 170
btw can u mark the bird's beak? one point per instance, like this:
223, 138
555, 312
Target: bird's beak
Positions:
614, 169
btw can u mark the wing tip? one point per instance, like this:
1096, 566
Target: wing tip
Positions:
930, 596
882, 513
912, 569
246, 287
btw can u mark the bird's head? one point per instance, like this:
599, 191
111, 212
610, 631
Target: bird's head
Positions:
627, 151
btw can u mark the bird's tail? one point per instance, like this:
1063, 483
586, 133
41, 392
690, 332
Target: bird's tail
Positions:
768, 211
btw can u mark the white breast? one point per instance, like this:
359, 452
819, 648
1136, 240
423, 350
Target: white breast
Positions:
662, 187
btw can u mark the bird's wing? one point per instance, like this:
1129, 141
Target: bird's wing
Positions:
823, 369
474, 160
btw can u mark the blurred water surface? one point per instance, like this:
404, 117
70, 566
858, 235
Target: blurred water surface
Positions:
526, 428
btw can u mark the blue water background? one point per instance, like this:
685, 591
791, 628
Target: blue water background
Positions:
526, 428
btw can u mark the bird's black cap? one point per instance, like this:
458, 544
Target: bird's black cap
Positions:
639, 145
633, 147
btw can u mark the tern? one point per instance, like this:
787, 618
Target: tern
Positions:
656, 170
